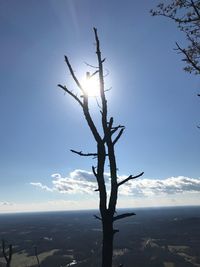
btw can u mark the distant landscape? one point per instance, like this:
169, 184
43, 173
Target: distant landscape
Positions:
163, 237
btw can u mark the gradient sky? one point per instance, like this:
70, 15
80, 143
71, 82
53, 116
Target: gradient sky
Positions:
151, 95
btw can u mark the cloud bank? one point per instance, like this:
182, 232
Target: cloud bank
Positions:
81, 181
5, 203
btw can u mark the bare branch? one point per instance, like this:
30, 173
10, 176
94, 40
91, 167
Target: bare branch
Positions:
115, 231
97, 217
94, 73
92, 66
131, 177
114, 129
71, 93
124, 215
96, 190
80, 153
73, 74
106, 90
195, 9
118, 136
188, 58
94, 171
101, 82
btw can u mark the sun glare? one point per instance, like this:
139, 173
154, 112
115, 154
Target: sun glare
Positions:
91, 86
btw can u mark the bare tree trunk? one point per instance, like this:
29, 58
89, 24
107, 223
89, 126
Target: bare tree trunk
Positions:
107, 246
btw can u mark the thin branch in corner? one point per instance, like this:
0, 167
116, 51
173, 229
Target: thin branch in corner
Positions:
188, 58
131, 177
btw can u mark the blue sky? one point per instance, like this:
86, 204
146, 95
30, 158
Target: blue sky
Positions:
151, 95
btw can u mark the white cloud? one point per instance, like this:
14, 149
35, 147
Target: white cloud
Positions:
78, 181
81, 181
169, 186
44, 187
5, 203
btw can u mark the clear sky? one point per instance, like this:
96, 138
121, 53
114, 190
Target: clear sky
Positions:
151, 95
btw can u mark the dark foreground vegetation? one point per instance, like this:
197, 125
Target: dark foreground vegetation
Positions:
166, 237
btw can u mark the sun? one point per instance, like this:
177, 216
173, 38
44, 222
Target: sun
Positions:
91, 86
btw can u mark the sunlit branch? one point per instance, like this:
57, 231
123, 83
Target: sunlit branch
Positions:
131, 177
73, 74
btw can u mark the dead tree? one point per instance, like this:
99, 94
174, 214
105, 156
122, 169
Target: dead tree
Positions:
105, 150
7, 253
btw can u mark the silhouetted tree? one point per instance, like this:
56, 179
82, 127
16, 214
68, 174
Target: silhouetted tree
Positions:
106, 139
186, 13
7, 253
